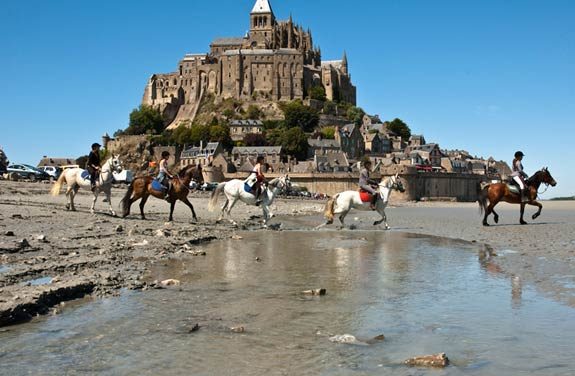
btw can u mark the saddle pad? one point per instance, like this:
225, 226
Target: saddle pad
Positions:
247, 188
85, 175
513, 188
365, 196
157, 186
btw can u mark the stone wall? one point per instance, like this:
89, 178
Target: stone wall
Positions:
419, 186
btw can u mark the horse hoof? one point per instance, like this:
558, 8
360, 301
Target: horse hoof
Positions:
496, 219
534, 216
485, 224
387, 227
523, 222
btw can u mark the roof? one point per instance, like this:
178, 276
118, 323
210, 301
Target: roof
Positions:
233, 41
262, 6
246, 123
257, 150
323, 143
195, 151
52, 161
347, 128
333, 63
332, 160
262, 52
426, 147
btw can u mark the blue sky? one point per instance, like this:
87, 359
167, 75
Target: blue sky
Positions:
488, 76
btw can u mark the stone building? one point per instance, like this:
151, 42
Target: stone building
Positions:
200, 155
276, 61
351, 141
240, 128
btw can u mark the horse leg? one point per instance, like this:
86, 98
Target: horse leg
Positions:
109, 198
96, 193
342, 218
495, 216
266, 211
229, 209
222, 213
68, 192
142, 204
383, 217
189, 204
72, 195
488, 211
538, 213
172, 206
521, 211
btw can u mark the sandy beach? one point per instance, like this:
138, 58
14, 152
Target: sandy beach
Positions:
49, 255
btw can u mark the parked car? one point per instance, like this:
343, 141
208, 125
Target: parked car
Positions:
53, 171
28, 172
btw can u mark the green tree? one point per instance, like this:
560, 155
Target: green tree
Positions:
329, 108
253, 112
355, 114
298, 115
145, 119
199, 133
328, 133
221, 134
294, 142
317, 93
274, 136
398, 127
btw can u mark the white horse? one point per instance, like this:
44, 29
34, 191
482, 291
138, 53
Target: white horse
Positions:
343, 202
77, 178
234, 191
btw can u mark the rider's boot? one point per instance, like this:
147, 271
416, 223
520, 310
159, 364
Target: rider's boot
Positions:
258, 196
373, 202
167, 192
525, 195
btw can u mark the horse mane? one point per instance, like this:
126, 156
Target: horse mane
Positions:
186, 170
274, 182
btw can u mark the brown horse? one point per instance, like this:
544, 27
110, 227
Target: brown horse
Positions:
496, 192
141, 188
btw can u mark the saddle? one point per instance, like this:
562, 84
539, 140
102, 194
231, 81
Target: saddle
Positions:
85, 175
365, 196
157, 186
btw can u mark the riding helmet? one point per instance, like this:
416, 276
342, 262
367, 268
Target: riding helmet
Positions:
95, 145
519, 154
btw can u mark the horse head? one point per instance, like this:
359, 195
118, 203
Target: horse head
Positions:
283, 183
392, 182
114, 164
545, 177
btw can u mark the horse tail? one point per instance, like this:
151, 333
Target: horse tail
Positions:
125, 203
214, 197
329, 209
55, 191
482, 196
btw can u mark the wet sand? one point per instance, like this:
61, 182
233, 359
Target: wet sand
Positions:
79, 253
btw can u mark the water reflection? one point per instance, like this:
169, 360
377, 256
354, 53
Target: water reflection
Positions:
427, 295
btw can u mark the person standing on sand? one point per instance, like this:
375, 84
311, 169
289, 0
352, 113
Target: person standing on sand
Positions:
519, 176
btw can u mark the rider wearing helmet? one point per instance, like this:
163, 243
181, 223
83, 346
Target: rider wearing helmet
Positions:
93, 165
519, 176
366, 183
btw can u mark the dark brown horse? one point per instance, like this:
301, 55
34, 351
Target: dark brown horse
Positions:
495, 192
141, 188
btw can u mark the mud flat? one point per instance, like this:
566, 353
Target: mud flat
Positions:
541, 252
49, 255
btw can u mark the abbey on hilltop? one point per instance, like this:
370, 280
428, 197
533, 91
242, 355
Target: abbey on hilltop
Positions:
274, 61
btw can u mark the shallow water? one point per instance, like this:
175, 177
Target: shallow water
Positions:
426, 295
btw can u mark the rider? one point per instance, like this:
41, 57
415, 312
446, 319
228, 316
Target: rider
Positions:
164, 174
366, 183
256, 179
519, 176
93, 165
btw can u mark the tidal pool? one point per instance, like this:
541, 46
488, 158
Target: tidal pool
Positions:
426, 295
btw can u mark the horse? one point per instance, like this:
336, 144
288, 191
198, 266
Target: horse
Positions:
343, 202
77, 178
234, 190
495, 192
143, 187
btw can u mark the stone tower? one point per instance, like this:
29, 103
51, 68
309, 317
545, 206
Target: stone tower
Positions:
262, 23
